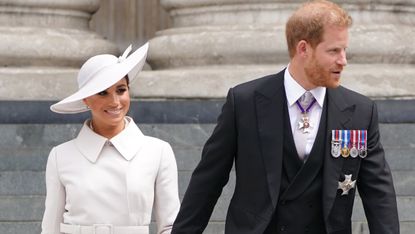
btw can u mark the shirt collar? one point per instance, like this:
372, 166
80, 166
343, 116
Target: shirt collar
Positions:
128, 142
293, 90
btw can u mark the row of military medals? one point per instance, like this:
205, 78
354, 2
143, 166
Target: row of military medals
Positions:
347, 143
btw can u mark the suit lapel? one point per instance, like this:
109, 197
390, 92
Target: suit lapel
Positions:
305, 176
270, 101
339, 115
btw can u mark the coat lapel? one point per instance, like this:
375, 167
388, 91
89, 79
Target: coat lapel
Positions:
270, 101
307, 173
339, 115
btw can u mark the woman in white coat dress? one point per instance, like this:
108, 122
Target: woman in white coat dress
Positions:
111, 177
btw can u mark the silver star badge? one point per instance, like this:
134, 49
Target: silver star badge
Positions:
347, 184
304, 124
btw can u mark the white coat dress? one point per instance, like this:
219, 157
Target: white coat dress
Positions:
92, 180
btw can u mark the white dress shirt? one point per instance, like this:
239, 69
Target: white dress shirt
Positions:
294, 91
93, 180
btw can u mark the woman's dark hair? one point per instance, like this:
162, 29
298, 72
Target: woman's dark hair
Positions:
128, 80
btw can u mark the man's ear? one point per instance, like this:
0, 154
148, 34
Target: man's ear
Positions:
302, 48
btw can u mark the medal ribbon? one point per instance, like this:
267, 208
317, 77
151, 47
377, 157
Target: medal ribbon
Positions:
364, 138
346, 136
337, 134
308, 108
353, 138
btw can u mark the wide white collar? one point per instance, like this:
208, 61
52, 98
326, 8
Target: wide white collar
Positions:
128, 142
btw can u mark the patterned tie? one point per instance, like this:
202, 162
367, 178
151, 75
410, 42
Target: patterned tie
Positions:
300, 138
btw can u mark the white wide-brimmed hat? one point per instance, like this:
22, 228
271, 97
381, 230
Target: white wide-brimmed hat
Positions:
98, 74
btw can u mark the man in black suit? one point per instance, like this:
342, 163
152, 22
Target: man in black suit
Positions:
301, 144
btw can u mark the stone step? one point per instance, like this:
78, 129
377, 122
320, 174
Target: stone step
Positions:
33, 183
34, 158
30, 185
25, 147
212, 228
22, 136
21, 227
21, 208
31, 208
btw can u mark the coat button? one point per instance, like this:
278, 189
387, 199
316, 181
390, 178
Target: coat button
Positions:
282, 228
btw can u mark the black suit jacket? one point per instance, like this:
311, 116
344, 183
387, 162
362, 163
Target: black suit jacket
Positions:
249, 134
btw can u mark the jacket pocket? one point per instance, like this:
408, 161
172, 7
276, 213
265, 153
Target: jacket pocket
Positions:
341, 213
241, 221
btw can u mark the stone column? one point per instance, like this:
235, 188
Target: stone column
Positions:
42, 45
215, 44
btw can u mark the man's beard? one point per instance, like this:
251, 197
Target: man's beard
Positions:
318, 75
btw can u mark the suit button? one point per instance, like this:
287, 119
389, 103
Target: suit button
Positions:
282, 228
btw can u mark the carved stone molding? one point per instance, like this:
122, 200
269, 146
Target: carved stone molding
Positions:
42, 45
225, 42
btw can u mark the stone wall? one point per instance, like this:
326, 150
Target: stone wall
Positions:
26, 140
214, 44
207, 47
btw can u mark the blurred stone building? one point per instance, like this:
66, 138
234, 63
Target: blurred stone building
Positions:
198, 50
